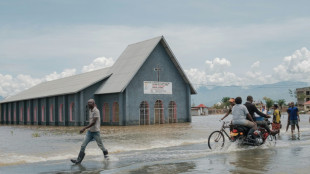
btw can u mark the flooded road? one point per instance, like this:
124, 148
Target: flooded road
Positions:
169, 148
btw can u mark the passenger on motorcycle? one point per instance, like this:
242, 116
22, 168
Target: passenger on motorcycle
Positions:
240, 114
252, 109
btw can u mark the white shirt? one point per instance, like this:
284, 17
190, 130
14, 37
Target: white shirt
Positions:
92, 114
239, 112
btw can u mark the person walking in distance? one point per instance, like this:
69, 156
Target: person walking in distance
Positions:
276, 121
288, 113
93, 133
293, 116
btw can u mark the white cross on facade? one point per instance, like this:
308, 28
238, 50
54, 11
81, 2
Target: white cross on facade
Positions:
157, 69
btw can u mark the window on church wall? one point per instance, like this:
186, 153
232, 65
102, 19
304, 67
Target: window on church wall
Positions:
144, 113
51, 112
172, 110
115, 112
60, 112
9, 115
35, 113
14, 114
21, 114
105, 113
71, 112
42, 113
28, 114
4, 115
159, 112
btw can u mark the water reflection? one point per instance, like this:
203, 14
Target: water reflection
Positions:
249, 161
170, 168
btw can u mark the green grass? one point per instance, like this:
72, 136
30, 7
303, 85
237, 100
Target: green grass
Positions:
35, 135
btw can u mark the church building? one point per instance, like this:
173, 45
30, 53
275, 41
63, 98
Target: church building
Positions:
146, 85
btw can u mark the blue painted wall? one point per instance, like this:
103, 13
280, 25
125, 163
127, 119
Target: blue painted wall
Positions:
85, 95
129, 100
109, 99
135, 91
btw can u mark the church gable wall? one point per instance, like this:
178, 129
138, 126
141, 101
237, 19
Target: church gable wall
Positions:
168, 73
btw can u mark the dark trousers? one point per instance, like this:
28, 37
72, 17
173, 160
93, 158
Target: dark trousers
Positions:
264, 125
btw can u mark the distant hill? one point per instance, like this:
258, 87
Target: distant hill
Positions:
280, 90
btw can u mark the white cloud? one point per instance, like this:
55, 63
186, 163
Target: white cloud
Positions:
10, 85
295, 67
55, 75
98, 63
217, 64
201, 78
255, 65
197, 78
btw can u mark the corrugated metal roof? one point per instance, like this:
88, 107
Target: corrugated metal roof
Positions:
131, 60
61, 86
120, 74
127, 65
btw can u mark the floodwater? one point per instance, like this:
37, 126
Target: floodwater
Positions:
168, 148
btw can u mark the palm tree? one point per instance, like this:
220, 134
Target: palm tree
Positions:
225, 101
281, 102
269, 102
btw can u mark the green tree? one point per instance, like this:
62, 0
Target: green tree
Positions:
217, 106
269, 102
281, 103
225, 102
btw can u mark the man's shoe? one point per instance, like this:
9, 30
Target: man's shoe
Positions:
105, 153
79, 159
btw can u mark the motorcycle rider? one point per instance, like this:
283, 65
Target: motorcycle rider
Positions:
240, 114
253, 109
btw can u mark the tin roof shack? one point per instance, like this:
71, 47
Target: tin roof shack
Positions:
199, 110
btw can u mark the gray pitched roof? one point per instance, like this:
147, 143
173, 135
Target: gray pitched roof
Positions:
119, 75
131, 60
61, 86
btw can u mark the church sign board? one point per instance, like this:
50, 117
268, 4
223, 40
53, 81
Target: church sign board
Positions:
154, 87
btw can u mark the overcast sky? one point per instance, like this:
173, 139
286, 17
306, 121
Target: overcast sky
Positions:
216, 42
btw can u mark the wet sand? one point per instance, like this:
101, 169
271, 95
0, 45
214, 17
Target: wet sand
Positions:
178, 148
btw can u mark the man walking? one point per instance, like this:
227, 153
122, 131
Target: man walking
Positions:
93, 133
293, 117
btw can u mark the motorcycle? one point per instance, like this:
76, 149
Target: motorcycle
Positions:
258, 137
239, 134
